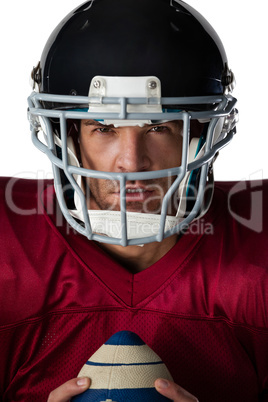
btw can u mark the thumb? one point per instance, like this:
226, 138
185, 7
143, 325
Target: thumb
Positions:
173, 391
69, 389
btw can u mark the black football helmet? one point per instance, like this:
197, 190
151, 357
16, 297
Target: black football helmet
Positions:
133, 62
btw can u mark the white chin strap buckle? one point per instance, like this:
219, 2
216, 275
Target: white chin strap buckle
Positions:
125, 87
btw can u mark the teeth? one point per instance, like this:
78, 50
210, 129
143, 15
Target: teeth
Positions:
135, 190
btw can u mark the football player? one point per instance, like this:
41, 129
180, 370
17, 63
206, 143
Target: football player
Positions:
132, 102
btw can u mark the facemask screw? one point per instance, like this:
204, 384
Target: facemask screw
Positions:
97, 84
152, 84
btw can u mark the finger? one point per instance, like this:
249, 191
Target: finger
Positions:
69, 389
173, 391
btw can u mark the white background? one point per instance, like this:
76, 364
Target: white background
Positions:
26, 25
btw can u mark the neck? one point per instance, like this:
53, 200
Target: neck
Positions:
135, 258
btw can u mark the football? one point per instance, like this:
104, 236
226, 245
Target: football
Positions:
123, 369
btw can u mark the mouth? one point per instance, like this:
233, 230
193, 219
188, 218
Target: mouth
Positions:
137, 193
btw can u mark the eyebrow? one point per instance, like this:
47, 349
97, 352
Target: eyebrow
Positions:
94, 123
98, 123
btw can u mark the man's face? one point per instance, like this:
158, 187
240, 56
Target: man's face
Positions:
130, 149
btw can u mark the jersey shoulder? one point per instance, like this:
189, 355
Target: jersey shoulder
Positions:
21, 196
245, 204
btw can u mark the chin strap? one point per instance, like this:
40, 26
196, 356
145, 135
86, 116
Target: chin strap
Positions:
108, 223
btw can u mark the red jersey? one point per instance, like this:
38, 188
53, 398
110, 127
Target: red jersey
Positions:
202, 307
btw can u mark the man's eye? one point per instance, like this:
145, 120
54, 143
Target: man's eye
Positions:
103, 130
159, 129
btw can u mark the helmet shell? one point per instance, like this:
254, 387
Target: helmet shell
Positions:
163, 38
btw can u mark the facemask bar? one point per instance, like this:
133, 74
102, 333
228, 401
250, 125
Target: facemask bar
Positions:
37, 114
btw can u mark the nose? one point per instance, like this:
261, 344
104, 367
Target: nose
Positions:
133, 155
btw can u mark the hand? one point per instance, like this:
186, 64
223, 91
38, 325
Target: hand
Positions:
173, 391
78, 385
69, 389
